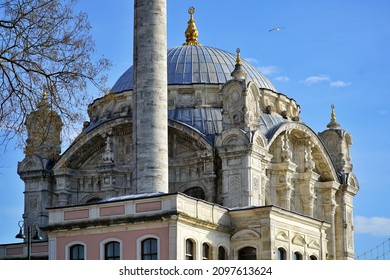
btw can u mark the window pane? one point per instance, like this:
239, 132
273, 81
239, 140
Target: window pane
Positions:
297, 256
189, 250
112, 251
206, 251
76, 252
247, 253
221, 253
281, 254
149, 250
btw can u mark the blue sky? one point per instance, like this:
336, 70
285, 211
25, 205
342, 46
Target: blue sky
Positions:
328, 52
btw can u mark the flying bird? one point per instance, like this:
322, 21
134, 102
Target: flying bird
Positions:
276, 29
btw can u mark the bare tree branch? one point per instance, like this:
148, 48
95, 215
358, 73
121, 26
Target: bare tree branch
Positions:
45, 43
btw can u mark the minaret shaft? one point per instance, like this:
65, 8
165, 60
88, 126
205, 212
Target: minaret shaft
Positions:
150, 124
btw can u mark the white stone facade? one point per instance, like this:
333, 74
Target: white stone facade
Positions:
238, 146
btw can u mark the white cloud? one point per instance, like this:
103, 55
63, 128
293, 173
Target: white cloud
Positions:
282, 79
372, 225
325, 78
251, 60
316, 79
339, 84
269, 70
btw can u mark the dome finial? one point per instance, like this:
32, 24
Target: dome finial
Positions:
191, 31
239, 72
238, 59
333, 123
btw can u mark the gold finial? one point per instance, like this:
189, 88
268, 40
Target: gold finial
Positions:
43, 103
191, 11
333, 115
191, 31
44, 94
333, 123
238, 59
239, 71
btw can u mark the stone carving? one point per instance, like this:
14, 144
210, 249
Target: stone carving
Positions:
235, 190
108, 154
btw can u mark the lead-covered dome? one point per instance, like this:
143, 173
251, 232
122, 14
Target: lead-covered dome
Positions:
198, 64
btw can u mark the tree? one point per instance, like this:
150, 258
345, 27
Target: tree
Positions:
45, 48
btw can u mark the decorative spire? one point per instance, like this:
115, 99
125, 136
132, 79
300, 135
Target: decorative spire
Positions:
191, 31
333, 123
44, 94
239, 72
238, 59
43, 103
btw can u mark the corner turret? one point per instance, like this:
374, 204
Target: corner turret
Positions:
43, 147
338, 142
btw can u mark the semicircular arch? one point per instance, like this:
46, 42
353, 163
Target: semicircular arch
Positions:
88, 143
322, 158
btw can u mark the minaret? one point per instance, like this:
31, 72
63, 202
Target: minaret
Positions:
150, 120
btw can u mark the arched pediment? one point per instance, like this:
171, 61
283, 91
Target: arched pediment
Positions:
232, 137
31, 163
245, 234
233, 85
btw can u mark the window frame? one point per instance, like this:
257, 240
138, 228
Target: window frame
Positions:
206, 248
190, 255
80, 248
139, 245
103, 248
281, 254
153, 251
224, 253
241, 250
297, 256
70, 245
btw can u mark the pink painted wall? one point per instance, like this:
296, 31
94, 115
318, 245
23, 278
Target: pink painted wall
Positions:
76, 214
128, 241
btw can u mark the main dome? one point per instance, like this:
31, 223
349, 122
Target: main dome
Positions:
198, 64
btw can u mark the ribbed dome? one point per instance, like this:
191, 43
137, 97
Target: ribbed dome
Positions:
198, 65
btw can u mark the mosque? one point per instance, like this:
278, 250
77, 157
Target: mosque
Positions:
193, 155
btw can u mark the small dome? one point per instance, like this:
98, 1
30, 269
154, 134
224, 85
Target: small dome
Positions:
198, 65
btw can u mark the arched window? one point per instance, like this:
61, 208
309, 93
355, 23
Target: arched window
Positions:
149, 249
247, 253
76, 252
297, 256
313, 257
112, 250
281, 254
196, 192
190, 254
221, 253
206, 251
93, 200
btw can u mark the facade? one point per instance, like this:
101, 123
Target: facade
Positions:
193, 156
